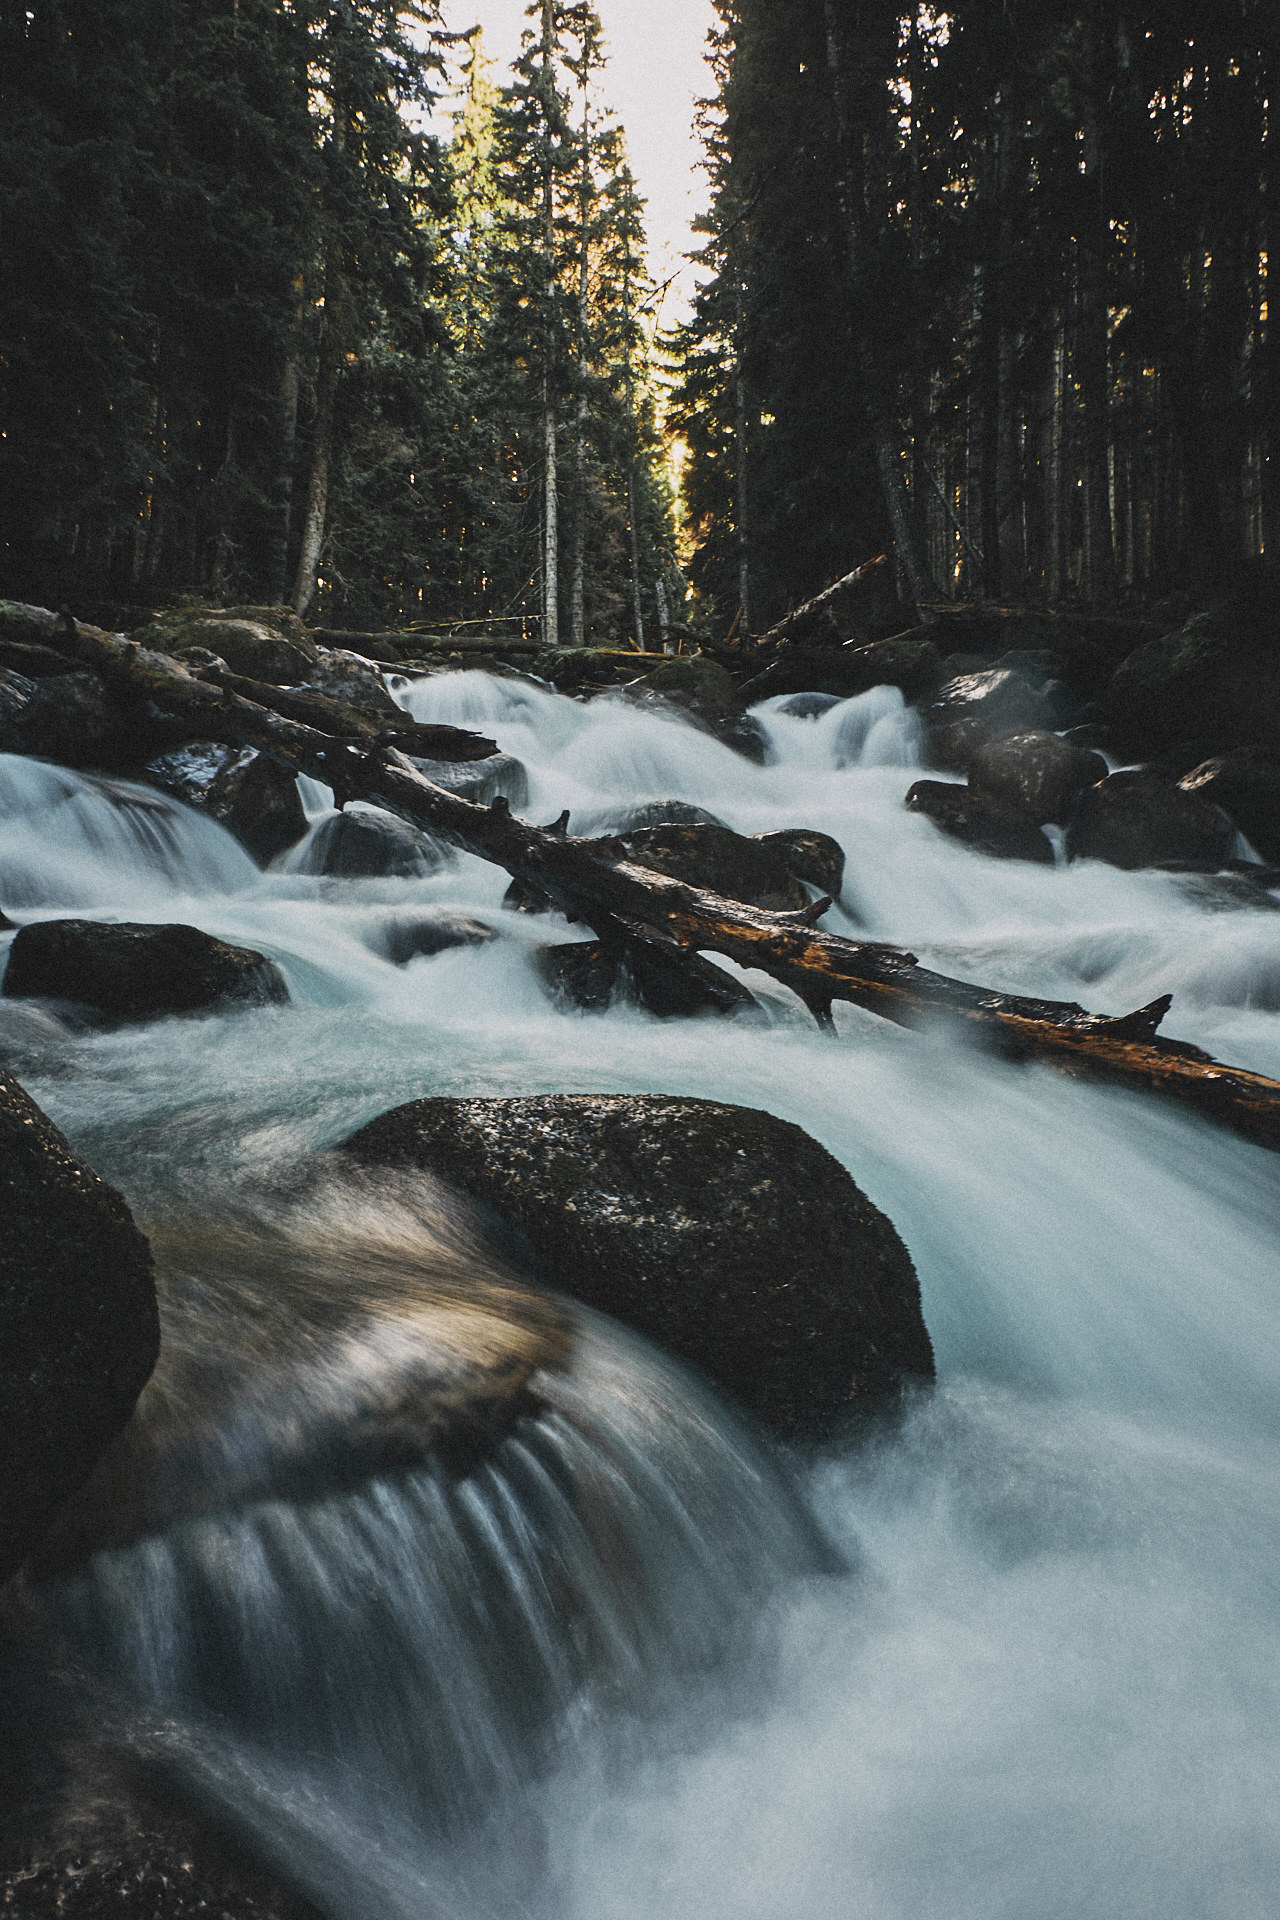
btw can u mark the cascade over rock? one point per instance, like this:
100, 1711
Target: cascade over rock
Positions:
1246, 785
250, 794
1140, 819
366, 843
988, 825
727, 1235
1040, 774
132, 972
79, 1332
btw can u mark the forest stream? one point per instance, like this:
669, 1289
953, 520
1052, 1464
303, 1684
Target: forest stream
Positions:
1014, 1652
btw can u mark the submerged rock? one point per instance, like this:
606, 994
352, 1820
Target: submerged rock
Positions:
364, 843
1140, 819
727, 1235
706, 694
79, 1332
132, 972
986, 825
245, 791
1246, 785
480, 780
1040, 774
668, 813
809, 706
401, 941
585, 974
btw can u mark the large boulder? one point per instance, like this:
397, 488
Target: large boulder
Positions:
69, 718
130, 972
907, 661
1141, 819
1038, 773
247, 792
987, 825
1246, 785
248, 645
366, 843
727, 1235
975, 707
351, 679
79, 1332
718, 860
705, 693
1218, 675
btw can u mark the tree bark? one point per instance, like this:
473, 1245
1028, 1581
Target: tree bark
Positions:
313, 520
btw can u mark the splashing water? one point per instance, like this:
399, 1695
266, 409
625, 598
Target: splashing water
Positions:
1047, 1685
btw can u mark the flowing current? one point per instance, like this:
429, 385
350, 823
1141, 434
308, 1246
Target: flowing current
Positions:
1017, 1655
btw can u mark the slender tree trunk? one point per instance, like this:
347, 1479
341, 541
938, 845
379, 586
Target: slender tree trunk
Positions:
550, 478
1094, 351
885, 431
578, 619
282, 503
742, 452
313, 520
1053, 467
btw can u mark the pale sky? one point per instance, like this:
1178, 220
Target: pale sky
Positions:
656, 70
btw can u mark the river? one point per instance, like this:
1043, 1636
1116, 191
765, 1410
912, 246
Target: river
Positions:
1017, 1655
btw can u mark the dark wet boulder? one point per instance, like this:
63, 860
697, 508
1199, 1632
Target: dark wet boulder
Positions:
1139, 819
247, 792
811, 856
705, 693
69, 718
988, 826
162, 1873
809, 706
907, 661
1246, 785
79, 1332
480, 780
976, 707
717, 860
728, 1236
586, 974
364, 843
134, 972
668, 813
1218, 674
426, 934
1038, 773
352, 680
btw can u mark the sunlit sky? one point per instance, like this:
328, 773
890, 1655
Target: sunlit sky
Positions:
656, 71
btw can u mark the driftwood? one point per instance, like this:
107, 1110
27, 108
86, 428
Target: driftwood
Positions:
779, 634
623, 902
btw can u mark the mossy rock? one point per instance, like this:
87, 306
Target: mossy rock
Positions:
249, 647
694, 682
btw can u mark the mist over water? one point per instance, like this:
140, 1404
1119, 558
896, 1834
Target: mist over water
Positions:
1034, 1671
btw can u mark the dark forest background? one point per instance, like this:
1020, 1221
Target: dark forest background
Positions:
984, 287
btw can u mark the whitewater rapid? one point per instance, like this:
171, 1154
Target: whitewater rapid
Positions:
1044, 1683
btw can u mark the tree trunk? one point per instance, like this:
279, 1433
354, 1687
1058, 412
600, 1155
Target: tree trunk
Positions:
1094, 349
313, 520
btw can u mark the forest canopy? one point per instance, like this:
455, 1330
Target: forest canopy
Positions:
301, 301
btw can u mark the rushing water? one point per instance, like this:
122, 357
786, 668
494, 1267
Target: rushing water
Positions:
1015, 1658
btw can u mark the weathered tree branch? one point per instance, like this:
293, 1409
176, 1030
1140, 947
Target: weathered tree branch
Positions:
616, 897
789, 622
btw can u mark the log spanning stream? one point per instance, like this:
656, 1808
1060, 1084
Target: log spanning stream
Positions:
1017, 1655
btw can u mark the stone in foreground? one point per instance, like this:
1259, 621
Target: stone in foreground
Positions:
726, 1235
137, 972
987, 825
79, 1332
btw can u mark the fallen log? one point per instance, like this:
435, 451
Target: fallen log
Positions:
622, 901
778, 635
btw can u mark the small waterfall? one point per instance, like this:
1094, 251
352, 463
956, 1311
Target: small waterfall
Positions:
78, 840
